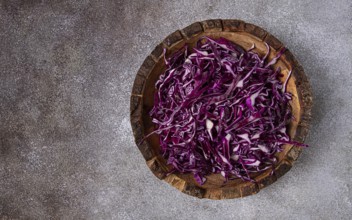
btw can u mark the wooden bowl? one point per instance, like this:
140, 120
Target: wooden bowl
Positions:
243, 34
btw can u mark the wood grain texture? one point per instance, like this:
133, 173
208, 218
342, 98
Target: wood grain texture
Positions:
191, 30
212, 25
244, 34
255, 30
273, 42
173, 38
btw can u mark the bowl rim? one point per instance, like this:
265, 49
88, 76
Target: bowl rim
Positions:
210, 26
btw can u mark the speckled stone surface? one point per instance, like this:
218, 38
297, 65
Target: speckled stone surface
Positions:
66, 146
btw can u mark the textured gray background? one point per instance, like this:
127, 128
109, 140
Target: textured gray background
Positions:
66, 147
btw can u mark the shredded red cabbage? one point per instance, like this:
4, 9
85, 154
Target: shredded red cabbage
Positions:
221, 109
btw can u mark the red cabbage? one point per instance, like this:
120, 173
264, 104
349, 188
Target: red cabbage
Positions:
221, 109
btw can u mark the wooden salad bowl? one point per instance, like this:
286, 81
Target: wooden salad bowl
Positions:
245, 35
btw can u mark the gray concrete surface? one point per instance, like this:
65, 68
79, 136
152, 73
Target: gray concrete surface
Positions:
66, 72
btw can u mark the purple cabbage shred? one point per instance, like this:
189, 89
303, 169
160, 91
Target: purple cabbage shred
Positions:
220, 109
